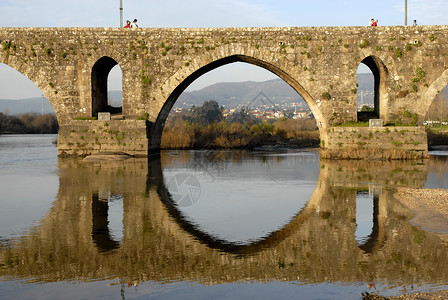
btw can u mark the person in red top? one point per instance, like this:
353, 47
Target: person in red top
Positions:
128, 24
375, 23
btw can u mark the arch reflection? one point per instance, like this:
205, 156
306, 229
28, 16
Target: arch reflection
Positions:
317, 245
101, 232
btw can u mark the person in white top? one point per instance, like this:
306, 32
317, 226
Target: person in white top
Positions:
134, 24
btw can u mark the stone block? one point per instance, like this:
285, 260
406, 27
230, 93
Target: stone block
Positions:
375, 123
103, 116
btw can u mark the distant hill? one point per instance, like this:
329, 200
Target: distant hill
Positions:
233, 94
229, 94
29, 105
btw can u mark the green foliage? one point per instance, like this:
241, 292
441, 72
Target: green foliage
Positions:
326, 95
364, 43
366, 108
146, 81
241, 116
209, 112
86, 118
398, 52
432, 38
421, 74
144, 116
353, 124
29, 123
6, 45
181, 133
142, 44
397, 143
262, 128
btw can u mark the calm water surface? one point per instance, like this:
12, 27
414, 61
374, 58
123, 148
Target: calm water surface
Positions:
212, 224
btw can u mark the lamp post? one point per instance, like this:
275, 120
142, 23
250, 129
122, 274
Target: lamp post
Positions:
121, 13
405, 12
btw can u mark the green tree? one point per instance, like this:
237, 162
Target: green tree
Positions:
208, 113
241, 116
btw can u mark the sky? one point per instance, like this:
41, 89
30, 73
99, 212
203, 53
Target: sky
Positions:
205, 13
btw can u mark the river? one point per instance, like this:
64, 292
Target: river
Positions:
212, 224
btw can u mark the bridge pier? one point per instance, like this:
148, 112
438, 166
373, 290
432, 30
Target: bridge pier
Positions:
375, 143
86, 137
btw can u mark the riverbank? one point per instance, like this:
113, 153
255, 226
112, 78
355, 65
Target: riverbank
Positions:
431, 213
429, 205
416, 296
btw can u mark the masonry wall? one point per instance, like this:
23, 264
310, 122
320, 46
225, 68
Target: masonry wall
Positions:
86, 137
376, 143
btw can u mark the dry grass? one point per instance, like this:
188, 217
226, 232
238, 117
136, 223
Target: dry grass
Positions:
184, 135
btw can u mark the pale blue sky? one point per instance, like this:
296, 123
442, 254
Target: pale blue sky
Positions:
207, 13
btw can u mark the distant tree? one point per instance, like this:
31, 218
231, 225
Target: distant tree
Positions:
28, 123
289, 113
45, 124
366, 108
208, 113
241, 116
11, 124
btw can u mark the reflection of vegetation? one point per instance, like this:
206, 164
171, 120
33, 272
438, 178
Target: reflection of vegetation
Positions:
28, 123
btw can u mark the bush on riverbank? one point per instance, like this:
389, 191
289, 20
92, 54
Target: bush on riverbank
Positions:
181, 134
28, 123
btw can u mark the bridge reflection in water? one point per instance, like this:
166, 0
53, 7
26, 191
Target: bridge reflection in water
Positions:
160, 243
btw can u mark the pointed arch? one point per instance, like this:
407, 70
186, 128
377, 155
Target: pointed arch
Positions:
195, 71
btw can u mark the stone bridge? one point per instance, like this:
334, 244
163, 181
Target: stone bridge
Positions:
71, 66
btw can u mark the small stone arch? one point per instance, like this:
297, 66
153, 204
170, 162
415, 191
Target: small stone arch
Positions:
99, 76
182, 81
380, 72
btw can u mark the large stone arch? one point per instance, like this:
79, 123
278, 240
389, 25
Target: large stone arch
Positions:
380, 73
177, 83
38, 78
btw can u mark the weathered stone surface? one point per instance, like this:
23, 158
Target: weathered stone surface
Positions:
376, 143
69, 65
